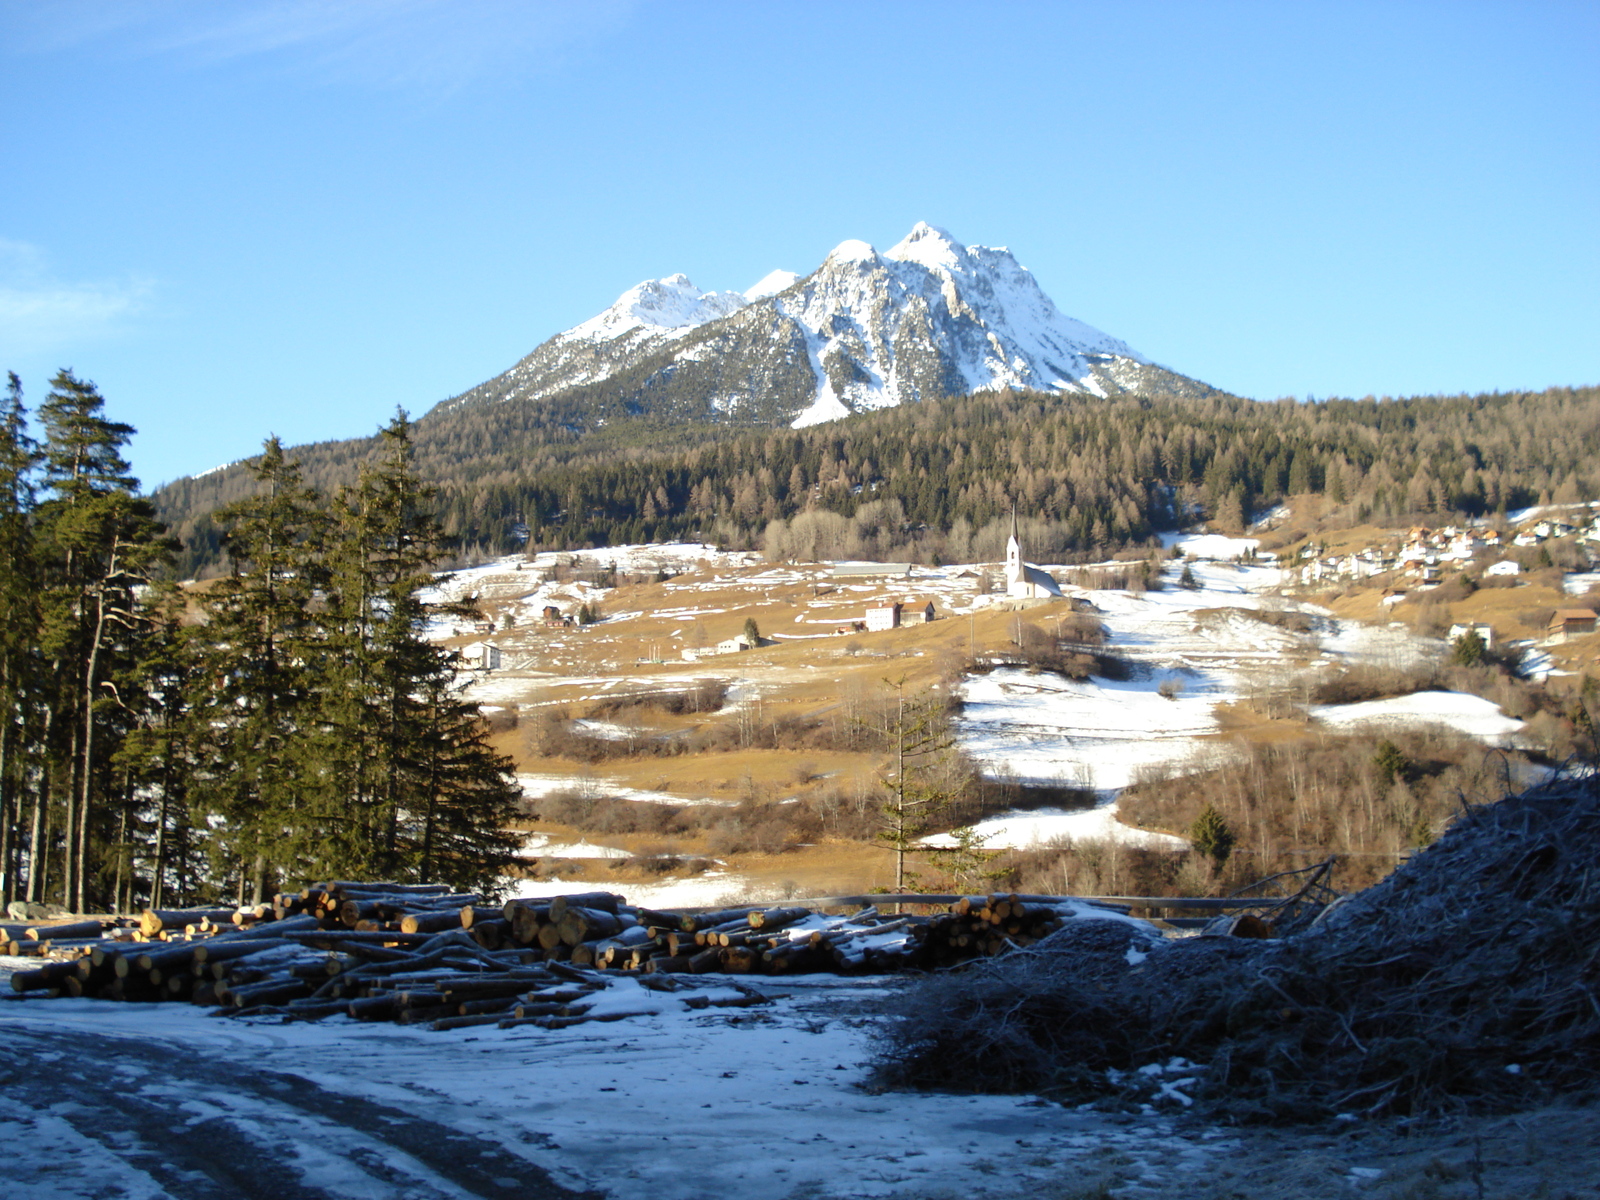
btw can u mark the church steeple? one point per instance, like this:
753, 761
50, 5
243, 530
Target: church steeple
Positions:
1013, 552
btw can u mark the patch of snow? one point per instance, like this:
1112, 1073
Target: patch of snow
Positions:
534, 786
539, 845
1471, 715
1094, 734
852, 251
667, 306
1041, 827
1209, 545
1579, 583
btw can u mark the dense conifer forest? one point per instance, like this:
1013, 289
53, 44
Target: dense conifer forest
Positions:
938, 480
165, 745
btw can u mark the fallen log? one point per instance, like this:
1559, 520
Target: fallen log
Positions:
577, 925
431, 921
606, 901
776, 918
48, 976
271, 992
62, 933
348, 887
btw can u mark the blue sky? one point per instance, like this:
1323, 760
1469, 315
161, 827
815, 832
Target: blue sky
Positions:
252, 218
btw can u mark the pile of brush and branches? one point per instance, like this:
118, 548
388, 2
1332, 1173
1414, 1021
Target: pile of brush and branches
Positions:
1468, 978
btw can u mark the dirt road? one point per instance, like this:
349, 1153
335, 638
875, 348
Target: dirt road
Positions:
135, 1118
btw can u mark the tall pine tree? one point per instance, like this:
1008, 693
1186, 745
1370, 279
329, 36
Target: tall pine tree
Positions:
410, 786
19, 628
101, 542
262, 649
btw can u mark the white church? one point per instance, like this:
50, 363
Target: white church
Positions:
1026, 582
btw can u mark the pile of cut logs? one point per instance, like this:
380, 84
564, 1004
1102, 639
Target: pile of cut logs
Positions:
420, 953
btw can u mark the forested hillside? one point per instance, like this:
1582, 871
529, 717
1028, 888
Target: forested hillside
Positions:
938, 479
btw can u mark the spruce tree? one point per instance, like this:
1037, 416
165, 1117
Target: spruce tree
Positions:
165, 752
407, 774
100, 543
263, 650
1210, 835
19, 628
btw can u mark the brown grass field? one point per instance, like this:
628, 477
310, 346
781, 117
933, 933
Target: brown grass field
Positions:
806, 670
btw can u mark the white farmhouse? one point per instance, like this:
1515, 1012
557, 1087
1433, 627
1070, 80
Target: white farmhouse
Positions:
887, 617
482, 655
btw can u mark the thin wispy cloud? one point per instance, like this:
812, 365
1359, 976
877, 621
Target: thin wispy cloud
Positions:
41, 314
431, 44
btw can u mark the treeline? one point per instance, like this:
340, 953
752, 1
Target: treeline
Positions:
165, 745
939, 479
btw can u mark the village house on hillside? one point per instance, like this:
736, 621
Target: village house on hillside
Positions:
482, 655
1424, 555
1569, 623
885, 617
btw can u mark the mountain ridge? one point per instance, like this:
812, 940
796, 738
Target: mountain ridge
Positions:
863, 331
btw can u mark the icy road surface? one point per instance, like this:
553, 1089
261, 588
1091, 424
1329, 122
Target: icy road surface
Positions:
107, 1100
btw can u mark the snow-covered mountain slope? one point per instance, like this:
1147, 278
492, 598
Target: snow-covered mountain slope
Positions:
864, 330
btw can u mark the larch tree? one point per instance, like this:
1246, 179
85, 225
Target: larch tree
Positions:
919, 740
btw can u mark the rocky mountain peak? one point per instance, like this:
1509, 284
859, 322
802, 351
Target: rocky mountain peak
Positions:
865, 330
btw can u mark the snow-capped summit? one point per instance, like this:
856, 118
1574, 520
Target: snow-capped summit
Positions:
673, 303
865, 330
928, 245
851, 250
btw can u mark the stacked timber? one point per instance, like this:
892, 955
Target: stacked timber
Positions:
413, 953
984, 926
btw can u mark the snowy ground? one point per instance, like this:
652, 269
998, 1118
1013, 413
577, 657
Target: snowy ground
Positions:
1471, 715
1020, 830
534, 786
1580, 583
1194, 650
748, 1103
1094, 734
538, 845
754, 1103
